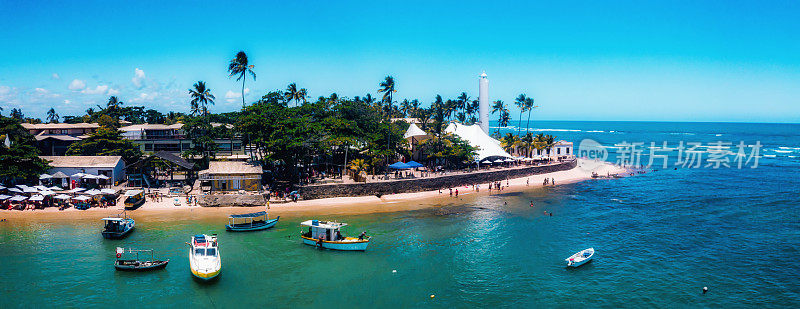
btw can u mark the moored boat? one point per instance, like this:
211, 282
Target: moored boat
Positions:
204, 258
134, 199
136, 264
580, 258
326, 235
256, 221
117, 227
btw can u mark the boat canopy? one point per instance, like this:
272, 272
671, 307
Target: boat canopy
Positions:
323, 224
250, 215
133, 192
113, 219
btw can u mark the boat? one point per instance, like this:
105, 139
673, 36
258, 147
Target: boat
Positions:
136, 264
134, 199
256, 221
580, 258
204, 259
326, 235
118, 227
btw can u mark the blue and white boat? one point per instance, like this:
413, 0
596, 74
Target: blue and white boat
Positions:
256, 221
326, 235
580, 258
117, 227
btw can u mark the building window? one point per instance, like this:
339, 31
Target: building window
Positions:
148, 147
237, 146
567, 150
166, 147
558, 150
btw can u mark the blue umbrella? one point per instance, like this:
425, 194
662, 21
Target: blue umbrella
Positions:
399, 166
414, 164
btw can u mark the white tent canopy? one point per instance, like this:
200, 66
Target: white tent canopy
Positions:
82, 198
36, 198
62, 197
487, 146
92, 192
415, 132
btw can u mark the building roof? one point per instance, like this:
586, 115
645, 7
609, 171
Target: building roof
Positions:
562, 142
415, 131
151, 126
58, 126
83, 161
60, 137
231, 167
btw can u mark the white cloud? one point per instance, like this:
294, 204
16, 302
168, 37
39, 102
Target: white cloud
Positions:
67, 101
55, 76
231, 96
41, 91
112, 91
100, 89
138, 78
77, 85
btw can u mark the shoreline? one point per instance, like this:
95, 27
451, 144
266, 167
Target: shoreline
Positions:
167, 211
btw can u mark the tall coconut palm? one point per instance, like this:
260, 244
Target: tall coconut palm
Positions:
463, 101
387, 87
241, 67
201, 98
52, 117
529, 106
501, 107
291, 93
520, 102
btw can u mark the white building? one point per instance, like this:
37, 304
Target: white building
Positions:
483, 99
110, 166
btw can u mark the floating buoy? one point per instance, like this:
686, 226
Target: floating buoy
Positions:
705, 289
432, 296
394, 271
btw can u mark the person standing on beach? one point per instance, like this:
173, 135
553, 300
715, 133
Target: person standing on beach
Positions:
553, 181
456, 192
528, 182
451, 192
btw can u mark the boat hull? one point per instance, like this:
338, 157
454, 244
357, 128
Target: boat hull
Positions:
205, 275
338, 245
255, 227
117, 235
127, 265
133, 205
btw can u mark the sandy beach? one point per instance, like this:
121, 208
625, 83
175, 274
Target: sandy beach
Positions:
166, 209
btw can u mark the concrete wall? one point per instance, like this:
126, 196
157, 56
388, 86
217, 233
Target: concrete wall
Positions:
426, 184
217, 200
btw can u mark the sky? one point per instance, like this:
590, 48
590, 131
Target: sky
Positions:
579, 60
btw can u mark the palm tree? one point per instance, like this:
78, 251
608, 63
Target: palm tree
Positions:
240, 67
501, 107
387, 87
529, 106
520, 102
113, 102
291, 93
463, 101
405, 107
52, 117
201, 98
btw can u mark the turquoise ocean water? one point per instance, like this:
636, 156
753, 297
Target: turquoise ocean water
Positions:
660, 237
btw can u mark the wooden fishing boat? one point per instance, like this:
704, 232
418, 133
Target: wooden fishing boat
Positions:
117, 227
204, 258
134, 199
136, 264
326, 235
580, 258
256, 221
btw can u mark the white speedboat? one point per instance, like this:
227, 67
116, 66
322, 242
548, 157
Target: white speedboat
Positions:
325, 234
204, 259
580, 258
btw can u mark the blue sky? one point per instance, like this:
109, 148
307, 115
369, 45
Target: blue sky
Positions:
593, 60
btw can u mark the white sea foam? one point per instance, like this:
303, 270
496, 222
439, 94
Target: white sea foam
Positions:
782, 151
794, 148
596, 131
681, 133
769, 156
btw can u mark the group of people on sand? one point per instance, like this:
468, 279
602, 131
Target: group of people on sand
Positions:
549, 181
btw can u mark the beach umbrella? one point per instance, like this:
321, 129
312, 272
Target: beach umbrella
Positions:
55, 188
47, 192
89, 176
59, 175
29, 190
81, 198
399, 166
4, 197
2, 188
18, 198
15, 190
509, 160
92, 192
498, 161
414, 164
45, 176
37, 198
76, 190
40, 188
108, 191
104, 177
61, 197
78, 175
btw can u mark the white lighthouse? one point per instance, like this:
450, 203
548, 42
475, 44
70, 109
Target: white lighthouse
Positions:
483, 99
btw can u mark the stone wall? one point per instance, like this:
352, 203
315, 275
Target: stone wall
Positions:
218, 200
426, 184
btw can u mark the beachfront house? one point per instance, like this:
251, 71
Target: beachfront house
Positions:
231, 176
54, 139
171, 138
110, 166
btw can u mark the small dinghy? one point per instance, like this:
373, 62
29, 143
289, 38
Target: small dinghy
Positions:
580, 258
256, 221
136, 264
